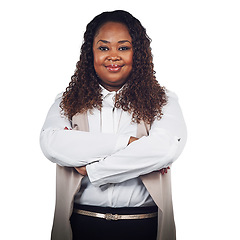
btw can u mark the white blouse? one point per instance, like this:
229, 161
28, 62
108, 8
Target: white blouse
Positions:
113, 166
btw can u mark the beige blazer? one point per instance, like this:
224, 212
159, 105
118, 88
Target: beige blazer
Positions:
68, 182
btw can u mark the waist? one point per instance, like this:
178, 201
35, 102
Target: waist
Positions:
110, 213
131, 193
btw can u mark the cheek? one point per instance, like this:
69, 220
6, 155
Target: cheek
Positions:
98, 59
129, 59
97, 62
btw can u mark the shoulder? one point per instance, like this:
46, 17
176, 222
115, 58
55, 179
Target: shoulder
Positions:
57, 101
59, 96
172, 106
171, 95
172, 98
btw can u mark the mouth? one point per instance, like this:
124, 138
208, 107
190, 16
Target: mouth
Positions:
113, 68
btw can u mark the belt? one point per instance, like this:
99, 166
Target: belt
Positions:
109, 216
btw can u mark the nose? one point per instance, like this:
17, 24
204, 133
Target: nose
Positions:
113, 56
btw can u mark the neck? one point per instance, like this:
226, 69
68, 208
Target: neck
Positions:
111, 88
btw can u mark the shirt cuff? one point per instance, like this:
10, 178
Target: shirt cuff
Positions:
122, 142
93, 175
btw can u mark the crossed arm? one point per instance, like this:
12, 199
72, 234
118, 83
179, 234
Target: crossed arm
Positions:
83, 171
115, 158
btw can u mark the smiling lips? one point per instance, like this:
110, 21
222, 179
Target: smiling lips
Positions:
113, 68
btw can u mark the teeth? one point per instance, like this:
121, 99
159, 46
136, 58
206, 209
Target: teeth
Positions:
113, 65
113, 68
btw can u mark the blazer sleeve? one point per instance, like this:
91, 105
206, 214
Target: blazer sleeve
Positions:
75, 148
160, 149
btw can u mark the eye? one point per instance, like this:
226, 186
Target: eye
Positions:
124, 48
101, 48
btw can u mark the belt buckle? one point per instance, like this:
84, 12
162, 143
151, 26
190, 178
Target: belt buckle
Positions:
109, 217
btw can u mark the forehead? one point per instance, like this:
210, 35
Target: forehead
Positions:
113, 31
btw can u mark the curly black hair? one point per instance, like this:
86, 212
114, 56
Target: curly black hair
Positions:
141, 95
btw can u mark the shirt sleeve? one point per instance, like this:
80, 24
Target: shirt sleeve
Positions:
73, 148
160, 149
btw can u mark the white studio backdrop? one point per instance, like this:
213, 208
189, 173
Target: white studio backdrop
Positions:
196, 54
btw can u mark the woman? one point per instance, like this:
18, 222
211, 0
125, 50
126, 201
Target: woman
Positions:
126, 132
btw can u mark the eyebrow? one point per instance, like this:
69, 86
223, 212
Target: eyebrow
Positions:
105, 41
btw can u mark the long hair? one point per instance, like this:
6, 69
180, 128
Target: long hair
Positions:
141, 95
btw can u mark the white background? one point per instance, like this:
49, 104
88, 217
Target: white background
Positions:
196, 54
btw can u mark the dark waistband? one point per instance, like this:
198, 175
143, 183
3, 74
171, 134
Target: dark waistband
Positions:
124, 210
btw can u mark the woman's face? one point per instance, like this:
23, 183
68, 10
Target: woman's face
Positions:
113, 55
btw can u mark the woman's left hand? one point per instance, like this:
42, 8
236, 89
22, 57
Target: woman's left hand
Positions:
82, 170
